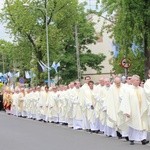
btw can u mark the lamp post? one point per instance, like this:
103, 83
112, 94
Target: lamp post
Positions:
47, 39
3, 59
77, 53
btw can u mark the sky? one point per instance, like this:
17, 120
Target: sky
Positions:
3, 34
6, 36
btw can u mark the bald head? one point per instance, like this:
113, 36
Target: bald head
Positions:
117, 81
136, 80
102, 81
107, 82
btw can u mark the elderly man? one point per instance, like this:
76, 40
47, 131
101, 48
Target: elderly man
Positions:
115, 96
84, 88
77, 106
89, 102
135, 109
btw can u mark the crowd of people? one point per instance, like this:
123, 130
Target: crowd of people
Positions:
113, 108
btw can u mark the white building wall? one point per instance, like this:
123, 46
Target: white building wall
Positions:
104, 46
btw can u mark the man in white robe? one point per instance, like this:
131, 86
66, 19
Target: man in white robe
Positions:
63, 105
34, 100
108, 130
77, 107
53, 110
41, 105
84, 88
15, 97
90, 101
135, 108
115, 96
27, 102
147, 88
70, 104
21, 102
100, 115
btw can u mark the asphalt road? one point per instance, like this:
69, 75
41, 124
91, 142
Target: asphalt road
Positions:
25, 134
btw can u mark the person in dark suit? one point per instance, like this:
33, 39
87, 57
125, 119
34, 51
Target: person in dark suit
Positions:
1, 101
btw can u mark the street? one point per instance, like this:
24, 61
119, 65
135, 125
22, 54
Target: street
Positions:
26, 134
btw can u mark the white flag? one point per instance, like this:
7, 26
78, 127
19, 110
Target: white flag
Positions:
42, 66
17, 75
45, 65
55, 66
27, 75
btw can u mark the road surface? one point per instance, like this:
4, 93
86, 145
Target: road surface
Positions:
26, 134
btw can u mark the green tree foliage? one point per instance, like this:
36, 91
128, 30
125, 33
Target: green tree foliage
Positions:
130, 24
28, 25
6, 56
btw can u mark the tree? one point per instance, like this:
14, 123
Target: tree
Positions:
130, 24
27, 25
6, 57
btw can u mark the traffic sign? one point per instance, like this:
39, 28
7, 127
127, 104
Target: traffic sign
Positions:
125, 63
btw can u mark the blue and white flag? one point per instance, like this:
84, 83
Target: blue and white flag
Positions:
1, 74
27, 75
17, 75
115, 49
42, 66
45, 65
10, 74
55, 65
134, 49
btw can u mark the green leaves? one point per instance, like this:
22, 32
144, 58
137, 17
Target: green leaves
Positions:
132, 19
28, 25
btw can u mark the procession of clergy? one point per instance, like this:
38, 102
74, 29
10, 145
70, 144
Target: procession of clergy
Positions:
115, 109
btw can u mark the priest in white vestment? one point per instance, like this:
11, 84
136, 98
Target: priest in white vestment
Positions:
53, 110
84, 88
77, 106
135, 108
108, 130
70, 105
90, 101
115, 96
99, 114
15, 98
62, 104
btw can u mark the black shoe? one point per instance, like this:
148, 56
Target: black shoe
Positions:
101, 132
119, 135
97, 131
127, 138
64, 124
88, 130
79, 129
144, 142
131, 142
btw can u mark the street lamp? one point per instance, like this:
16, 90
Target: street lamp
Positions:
77, 53
3, 59
47, 41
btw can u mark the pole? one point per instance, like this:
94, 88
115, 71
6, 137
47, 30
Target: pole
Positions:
3, 64
126, 72
47, 44
77, 53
